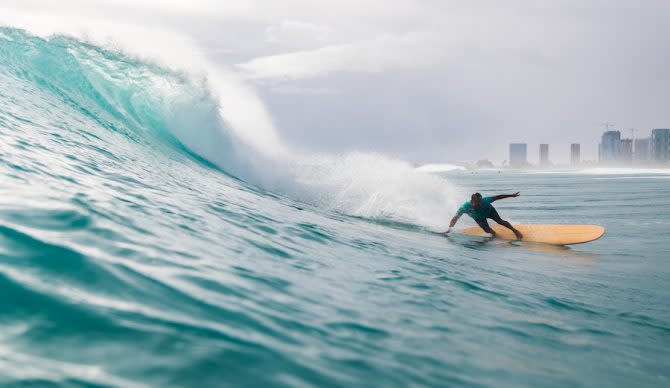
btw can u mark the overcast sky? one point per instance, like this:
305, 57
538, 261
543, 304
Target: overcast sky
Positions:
432, 80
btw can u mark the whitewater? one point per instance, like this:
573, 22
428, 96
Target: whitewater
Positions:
155, 231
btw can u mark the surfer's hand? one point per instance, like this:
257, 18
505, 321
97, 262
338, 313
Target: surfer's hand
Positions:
448, 230
516, 194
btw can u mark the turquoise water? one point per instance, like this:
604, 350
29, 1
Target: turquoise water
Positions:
128, 259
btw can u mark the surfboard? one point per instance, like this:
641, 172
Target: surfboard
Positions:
556, 234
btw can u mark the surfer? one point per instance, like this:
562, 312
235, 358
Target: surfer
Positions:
480, 208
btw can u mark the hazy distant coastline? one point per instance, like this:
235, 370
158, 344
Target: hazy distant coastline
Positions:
587, 168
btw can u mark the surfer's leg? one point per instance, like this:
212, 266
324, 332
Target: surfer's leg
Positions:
485, 226
496, 217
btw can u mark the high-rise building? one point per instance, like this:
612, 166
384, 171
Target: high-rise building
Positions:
575, 153
660, 145
626, 150
609, 146
642, 151
544, 154
518, 154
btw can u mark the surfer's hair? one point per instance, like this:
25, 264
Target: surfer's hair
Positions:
476, 196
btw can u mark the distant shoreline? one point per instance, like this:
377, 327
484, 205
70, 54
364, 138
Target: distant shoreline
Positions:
589, 169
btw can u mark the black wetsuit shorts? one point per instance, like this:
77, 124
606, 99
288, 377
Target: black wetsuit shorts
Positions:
484, 224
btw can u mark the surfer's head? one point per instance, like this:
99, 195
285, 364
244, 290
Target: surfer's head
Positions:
476, 200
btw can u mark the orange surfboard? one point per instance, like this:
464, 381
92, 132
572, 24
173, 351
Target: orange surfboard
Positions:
556, 234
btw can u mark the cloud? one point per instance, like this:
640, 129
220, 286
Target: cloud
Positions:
372, 56
297, 31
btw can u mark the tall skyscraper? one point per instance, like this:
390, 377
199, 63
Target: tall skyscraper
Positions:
642, 151
544, 154
518, 154
609, 146
626, 150
575, 153
660, 145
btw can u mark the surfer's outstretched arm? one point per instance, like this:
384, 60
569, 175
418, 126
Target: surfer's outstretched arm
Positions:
453, 222
503, 196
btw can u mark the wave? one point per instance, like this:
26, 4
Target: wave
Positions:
155, 105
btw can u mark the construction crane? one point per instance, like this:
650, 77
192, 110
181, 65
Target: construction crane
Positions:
607, 125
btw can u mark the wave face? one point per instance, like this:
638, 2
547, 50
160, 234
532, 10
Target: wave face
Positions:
147, 240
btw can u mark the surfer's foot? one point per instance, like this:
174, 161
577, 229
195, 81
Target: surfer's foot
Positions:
518, 234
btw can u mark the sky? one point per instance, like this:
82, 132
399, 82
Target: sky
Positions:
427, 81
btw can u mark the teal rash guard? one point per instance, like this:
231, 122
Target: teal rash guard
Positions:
477, 214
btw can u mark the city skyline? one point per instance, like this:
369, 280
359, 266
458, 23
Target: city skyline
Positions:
561, 152
613, 149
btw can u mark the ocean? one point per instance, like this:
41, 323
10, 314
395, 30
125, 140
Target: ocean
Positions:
146, 241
